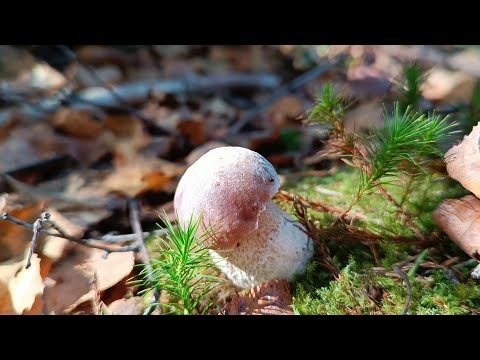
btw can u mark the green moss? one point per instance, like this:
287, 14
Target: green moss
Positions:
356, 292
361, 290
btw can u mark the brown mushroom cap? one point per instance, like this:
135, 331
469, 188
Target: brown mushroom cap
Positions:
229, 187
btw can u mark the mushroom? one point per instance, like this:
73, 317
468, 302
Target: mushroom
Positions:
253, 239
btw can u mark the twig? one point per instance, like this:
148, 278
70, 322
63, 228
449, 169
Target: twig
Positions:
114, 239
330, 171
97, 303
317, 205
37, 227
142, 252
138, 91
111, 89
282, 91
409, 288
86, 242
322, 252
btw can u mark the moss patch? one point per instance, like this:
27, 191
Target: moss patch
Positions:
367, 287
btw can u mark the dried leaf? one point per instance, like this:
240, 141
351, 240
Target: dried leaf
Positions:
460, 220
193, 130
270, 298
73, 277
14, 239
54, 247
156, 181
131, 306
24, 146
448, 86
142, 174
78, 123
126, 136
288, 107
467, 60
101, 55
45, 77
3, 201
17, 150
463, 161
19, 287
26, 285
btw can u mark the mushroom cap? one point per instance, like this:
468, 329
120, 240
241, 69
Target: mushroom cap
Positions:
279, 249
228, 187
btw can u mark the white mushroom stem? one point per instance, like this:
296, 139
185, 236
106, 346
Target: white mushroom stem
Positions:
279, 249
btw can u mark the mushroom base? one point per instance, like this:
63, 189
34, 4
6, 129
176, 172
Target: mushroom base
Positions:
278, 249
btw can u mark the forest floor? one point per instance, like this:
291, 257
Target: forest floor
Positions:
99, 136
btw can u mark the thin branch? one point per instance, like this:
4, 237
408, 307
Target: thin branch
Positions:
317, 205
86, 242
142, 252
282, 91
37, 227
409, 288
114, 239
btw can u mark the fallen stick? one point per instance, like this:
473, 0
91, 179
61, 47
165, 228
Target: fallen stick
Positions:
142, 253
282, 91
138, 91
93, 243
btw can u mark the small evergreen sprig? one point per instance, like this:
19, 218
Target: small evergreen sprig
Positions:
181, 270
329, 109
413, 76
407, 137
407, 141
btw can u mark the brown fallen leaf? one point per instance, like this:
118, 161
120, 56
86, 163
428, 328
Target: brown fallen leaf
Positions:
17, 150
460, 220
73, 276
8, 122
125, 137
448, 86
287, 106
3, 201
77, 123
23, 146
101, 55
131, 306
15, 239
54, 247
142, 173
156, 181
270, 298
43, 76
19, 287
463, 161
468, 61
193, 130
